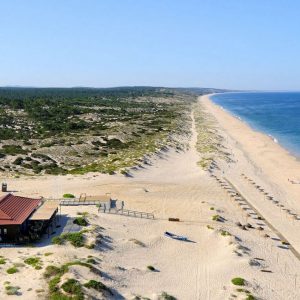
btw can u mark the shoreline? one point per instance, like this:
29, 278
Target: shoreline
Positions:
253, 127
267, 164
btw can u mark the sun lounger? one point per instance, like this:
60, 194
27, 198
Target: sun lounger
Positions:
175, 236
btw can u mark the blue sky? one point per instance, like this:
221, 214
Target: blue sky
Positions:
226, 44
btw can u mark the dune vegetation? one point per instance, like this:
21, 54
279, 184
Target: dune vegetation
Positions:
61, 131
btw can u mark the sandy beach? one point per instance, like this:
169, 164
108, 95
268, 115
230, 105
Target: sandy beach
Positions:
175, 186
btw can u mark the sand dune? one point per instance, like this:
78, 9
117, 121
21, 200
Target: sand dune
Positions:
174, 186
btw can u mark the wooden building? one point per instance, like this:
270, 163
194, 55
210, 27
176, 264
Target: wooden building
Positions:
24, 219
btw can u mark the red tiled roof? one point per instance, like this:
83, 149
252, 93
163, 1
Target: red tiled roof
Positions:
14, 210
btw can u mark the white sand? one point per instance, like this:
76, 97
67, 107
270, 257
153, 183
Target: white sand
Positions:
176, 187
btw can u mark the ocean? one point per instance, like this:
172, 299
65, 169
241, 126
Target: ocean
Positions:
276, 114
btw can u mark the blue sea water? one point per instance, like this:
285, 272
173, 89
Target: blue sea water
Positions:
274, 113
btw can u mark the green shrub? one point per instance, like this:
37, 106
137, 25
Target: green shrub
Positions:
75, 238
166, 296
12, 270
72, 286
53, 284
51, 271
151, 268
12, 290
81, 221
238, 281
68, 196
13, 150
34, 262
215, 217
98, 286
225, 233
91, 261
57, 240
2, 261
18, 161
250, 297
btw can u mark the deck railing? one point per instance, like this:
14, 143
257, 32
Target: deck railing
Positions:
129, 213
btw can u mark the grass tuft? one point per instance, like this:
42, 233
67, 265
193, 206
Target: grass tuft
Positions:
34, 262
12, 270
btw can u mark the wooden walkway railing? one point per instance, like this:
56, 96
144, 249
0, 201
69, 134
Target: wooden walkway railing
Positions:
77, 202
129, 213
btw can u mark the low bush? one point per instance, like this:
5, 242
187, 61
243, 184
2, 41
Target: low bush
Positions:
91, 261
51, 271
53, 284
57, 240
75, 238
34, 262
18, 161
217, 218
225, 233
12, 270
166, 296
72, 286
98, 286
13, 150
12, 290
68, 196
238, 281
2, 261
81, 221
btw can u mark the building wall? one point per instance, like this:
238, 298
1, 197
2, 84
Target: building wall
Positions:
12, 233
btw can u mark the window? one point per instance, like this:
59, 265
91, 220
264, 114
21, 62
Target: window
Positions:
5, 231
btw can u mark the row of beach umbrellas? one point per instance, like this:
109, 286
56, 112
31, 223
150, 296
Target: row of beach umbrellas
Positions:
267, 196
